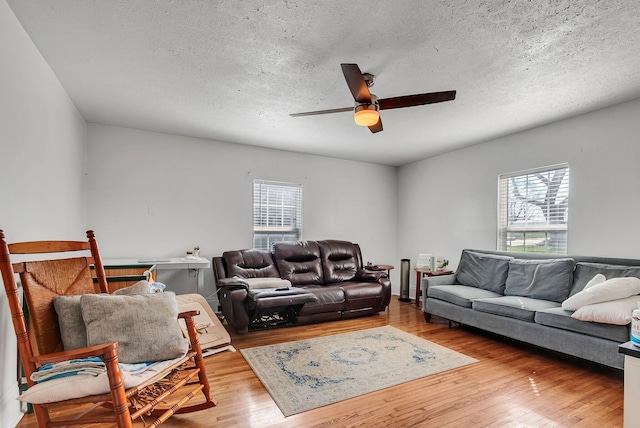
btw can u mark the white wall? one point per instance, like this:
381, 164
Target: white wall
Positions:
201, 192
41, 177
449, 202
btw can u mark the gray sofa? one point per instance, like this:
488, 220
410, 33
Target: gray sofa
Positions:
520, 295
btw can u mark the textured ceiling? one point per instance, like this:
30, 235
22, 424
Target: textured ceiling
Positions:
233, 70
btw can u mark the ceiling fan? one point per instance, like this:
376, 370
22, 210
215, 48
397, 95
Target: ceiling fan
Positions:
367, 105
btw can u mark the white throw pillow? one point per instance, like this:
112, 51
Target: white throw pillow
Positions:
598, 279
611, 289
615, 312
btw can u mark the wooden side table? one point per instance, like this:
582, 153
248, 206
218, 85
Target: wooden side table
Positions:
420, 272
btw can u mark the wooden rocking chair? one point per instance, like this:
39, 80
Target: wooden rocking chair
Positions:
40, 342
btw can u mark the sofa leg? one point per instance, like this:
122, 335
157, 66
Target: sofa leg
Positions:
427, 317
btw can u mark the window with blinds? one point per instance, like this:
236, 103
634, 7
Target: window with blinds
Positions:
277, 213
533, 210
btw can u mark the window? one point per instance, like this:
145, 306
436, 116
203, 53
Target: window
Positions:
277, 213
533, 210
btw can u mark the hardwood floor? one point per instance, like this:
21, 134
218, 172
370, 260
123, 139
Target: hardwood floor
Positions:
512, 385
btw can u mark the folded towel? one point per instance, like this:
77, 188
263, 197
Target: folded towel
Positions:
92, 366
84, 366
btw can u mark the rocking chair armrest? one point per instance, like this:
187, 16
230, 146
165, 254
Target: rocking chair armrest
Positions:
91, 351
188, 314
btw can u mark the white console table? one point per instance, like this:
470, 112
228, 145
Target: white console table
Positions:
196, 264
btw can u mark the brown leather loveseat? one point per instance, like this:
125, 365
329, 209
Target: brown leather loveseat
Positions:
298, 283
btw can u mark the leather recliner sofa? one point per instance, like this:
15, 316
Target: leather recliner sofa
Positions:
326, 282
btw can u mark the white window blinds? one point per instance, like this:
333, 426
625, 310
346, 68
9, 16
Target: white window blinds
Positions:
533, 210
277, 213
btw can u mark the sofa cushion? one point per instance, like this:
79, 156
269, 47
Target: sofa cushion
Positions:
611, 289
340, 260
540, 279
613, 312
299, 262
250, 264
522, 308
460, 295
488, 271
330, 299
585, 271
559, 318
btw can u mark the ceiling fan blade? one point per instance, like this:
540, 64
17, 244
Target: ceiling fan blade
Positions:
416, 100
377, 127
356, 83
312, 113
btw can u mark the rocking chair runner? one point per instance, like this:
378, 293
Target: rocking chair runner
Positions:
168, 393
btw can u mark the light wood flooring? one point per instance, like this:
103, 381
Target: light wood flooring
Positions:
512, 385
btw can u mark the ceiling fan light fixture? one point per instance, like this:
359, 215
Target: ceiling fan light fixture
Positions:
366, 114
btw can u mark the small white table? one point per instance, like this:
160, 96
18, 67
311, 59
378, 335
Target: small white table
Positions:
631, 383
197, 264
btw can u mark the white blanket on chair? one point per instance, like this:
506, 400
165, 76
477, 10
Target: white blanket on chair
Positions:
82, 385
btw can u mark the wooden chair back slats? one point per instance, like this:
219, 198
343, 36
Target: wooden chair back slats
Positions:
42, 282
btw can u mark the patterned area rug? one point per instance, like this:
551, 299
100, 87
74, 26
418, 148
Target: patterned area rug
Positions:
312, 373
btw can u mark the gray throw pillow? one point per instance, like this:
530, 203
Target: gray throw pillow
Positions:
486, 271
540, 279
70, 322
144, 325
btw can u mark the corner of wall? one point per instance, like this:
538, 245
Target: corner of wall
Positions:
10, 413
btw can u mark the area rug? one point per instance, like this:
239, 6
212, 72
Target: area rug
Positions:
307, 374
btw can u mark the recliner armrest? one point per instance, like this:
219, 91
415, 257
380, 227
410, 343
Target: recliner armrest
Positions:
369, 275
234, 282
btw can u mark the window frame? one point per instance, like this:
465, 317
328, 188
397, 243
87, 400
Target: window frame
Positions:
555, 234
261, 213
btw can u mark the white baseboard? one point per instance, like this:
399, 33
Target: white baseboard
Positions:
10, 413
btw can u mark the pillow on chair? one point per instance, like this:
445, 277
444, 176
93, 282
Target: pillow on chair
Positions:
144, 325
70, 322
140, 287
72, 330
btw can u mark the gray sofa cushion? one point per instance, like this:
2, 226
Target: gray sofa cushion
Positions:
540, 279
584, 272
559, 318
460, 295
488, 271
522, 308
